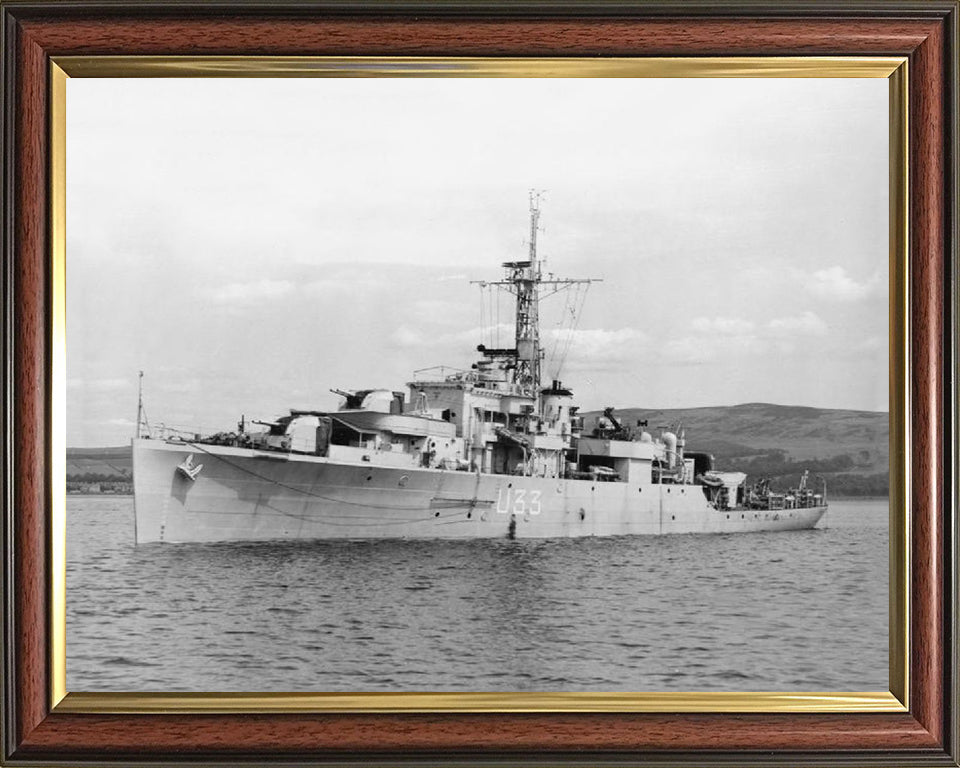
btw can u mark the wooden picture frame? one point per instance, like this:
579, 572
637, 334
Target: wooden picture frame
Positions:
37, 731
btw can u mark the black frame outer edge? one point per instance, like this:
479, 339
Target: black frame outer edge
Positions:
7, 214
951, 348
490, 8
586, 759
11, 10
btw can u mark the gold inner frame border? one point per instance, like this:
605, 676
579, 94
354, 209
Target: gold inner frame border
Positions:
894, 69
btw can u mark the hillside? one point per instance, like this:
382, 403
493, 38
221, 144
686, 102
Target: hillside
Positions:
99, 470
851, 449
108, 462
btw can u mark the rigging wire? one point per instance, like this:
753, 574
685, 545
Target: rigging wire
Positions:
491, 290
557, 334
566, 326
581, 297
483, 327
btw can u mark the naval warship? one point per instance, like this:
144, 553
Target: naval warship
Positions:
488, 452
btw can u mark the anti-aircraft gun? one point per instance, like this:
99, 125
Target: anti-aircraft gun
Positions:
609, 427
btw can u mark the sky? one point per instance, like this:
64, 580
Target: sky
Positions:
251, 243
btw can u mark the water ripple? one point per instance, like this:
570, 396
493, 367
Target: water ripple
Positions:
786, 611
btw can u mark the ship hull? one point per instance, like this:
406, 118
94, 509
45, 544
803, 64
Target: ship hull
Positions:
239, 494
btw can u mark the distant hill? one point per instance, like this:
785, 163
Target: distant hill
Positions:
111, 462
99, 470
851, 449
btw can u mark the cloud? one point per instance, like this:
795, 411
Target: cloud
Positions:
321, 287
119, 423
438, 311
98, 385
728, 326
242, 293
405, 336
722, 338
714, 338
874, 348
834, 283
692, 350
689, 350
597, 338
593, 349
807, 324
345, 282
182, 385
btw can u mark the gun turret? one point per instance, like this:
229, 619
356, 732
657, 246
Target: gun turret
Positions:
610, 427
354, 399
614, 421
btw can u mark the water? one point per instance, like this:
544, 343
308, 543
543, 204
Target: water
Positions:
748, 612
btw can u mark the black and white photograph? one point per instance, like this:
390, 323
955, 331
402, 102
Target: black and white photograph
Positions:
413, 384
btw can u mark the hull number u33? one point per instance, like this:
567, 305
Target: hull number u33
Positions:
518, 501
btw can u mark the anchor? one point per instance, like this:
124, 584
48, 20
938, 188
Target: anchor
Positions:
188, 470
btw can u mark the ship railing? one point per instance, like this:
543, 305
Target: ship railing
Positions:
164, 431
442, 371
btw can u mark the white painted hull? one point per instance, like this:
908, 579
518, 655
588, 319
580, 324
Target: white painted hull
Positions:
247, 495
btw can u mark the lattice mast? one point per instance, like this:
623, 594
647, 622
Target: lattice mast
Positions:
525, 280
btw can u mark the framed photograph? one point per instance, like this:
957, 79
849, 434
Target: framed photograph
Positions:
469, 383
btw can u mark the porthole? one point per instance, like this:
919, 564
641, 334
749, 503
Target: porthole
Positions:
673, 517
